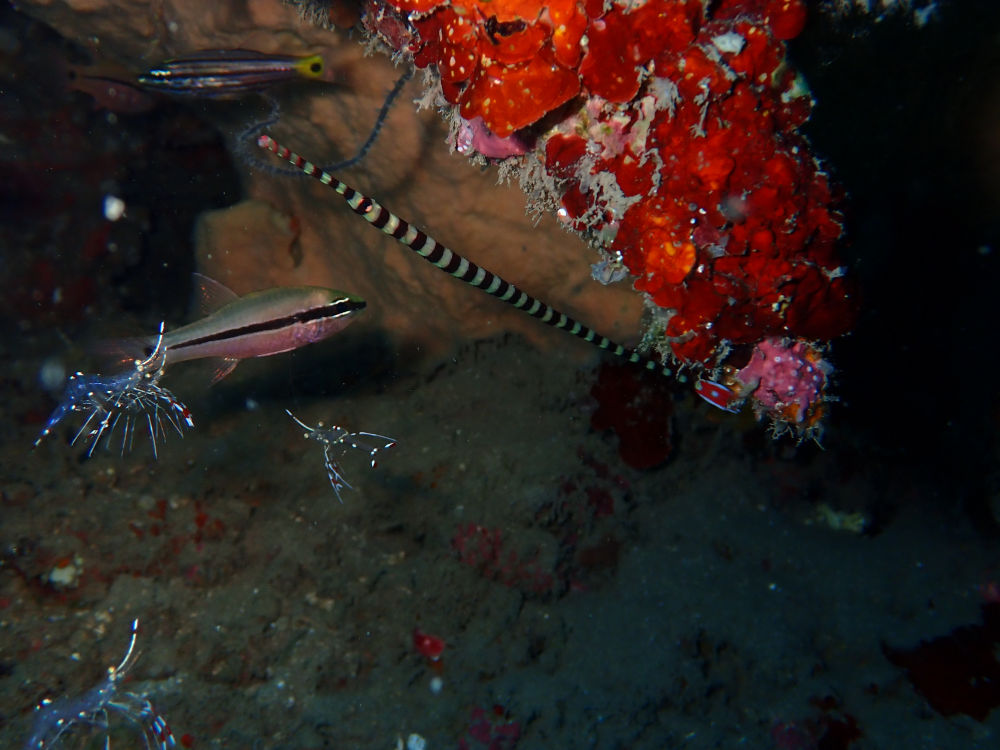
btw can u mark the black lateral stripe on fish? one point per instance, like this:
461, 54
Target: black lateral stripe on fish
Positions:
454, 264
221, 72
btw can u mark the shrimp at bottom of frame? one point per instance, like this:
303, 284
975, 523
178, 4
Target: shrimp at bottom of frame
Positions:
54, 719
336, 441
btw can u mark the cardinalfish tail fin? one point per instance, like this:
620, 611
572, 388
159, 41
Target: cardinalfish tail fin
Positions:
123, 353
452, 263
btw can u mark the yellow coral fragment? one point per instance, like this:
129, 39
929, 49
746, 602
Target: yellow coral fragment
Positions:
839, 520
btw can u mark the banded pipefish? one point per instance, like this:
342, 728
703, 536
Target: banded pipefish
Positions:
447, 260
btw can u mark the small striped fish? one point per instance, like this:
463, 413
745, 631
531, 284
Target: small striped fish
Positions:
218, 73
259, 324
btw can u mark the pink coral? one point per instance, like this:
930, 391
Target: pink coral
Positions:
474, 137
785, 380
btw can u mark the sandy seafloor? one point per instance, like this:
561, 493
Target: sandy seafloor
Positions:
710, 602
716, 609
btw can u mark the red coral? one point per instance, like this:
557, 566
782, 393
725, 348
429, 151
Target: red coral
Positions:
490, 731
637, 406
485, 549
684, 152
957, 673
416, 6
786, 18
562, 152
496, 59
568, 23
609, 68
514, 42
620, 42
513, 96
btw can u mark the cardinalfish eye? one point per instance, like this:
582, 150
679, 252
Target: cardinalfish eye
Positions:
311, 67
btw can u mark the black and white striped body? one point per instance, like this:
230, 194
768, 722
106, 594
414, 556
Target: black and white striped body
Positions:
454, 264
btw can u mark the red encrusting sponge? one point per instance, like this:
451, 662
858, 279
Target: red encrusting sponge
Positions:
668, 134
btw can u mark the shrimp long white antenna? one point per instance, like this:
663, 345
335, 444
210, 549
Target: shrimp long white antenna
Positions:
130, 657
153, 364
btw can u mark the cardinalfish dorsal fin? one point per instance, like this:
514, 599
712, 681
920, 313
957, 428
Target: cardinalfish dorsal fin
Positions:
211, 295
221, 72
454, 264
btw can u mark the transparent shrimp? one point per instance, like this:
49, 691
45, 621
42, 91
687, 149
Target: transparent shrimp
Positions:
336, 442
55, 719
131, 398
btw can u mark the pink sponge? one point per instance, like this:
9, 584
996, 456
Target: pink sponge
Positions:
786, 380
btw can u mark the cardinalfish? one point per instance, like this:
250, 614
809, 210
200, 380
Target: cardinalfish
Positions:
221, 73
259, 324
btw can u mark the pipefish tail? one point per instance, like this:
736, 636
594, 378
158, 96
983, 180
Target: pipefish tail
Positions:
219, 73
454, 264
